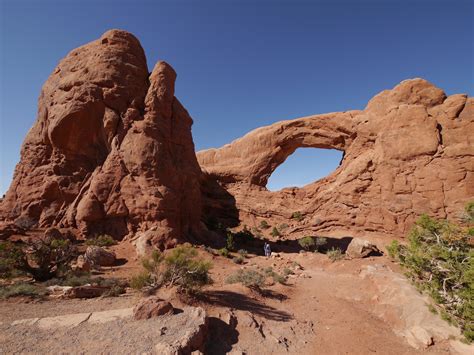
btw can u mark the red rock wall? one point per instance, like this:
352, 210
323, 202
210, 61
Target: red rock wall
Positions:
411, 151
111, 150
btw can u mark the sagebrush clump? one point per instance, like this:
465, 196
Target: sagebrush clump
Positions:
249, 278
180, 267
307, 243
335, 254
439, 260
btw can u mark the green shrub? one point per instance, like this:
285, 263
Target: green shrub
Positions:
468, 216
22, 289
264, 225
75, 280
230, 243
223, 252
335, 254
319, 243
297, 216
249, 278
274, 275
275, 232
180, 267
12, 260
393, 249
50, 258
243, 253
439, 260
307, 243
140, 280
283, 226
287, 271
103, 240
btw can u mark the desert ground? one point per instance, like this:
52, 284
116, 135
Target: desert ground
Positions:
357, 306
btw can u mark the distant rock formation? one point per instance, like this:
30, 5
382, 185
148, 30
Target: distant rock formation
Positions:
411, 151
111, 150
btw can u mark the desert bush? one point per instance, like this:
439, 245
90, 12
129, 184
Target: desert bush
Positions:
243, 253
238, 260
297, 216
75, 280
274, 275
180, 267
223, 252
468, 215
264, 225
12, 260
249, 278
319, 243
140, 280
43, 259
230, 243
307, 243
51, 257
439, 260
335, 254
115, 291
283, 226
22, 289
275, 232
287, 271
103, 240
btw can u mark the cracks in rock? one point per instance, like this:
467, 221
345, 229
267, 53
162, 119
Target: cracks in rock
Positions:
440, 129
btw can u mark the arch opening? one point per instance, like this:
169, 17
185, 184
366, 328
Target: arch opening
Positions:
304, 166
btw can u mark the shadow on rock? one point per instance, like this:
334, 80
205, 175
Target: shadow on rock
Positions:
221, 337
242, 302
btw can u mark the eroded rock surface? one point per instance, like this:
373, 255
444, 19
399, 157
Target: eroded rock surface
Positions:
111, 150
410, 151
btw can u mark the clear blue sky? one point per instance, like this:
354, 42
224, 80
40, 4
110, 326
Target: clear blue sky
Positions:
242, 64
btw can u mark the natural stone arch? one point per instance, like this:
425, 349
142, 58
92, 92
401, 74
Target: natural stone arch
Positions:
254, 157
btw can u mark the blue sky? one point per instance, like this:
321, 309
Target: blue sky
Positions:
243, 64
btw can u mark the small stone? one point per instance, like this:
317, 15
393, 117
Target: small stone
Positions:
151, 307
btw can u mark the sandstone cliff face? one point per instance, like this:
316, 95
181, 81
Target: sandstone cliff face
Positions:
411, 151
111, 149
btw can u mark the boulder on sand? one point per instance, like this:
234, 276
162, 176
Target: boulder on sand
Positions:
361, 248
151, 307
98, 256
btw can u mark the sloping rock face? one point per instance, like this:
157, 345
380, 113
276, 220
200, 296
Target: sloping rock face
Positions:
410, 151
111, 150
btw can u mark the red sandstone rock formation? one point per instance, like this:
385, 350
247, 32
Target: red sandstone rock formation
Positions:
111, 152
111, 149
411, 151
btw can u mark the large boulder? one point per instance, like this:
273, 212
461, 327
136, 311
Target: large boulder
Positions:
97, 256
151, 307
111, 150
194, 338
361, 248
